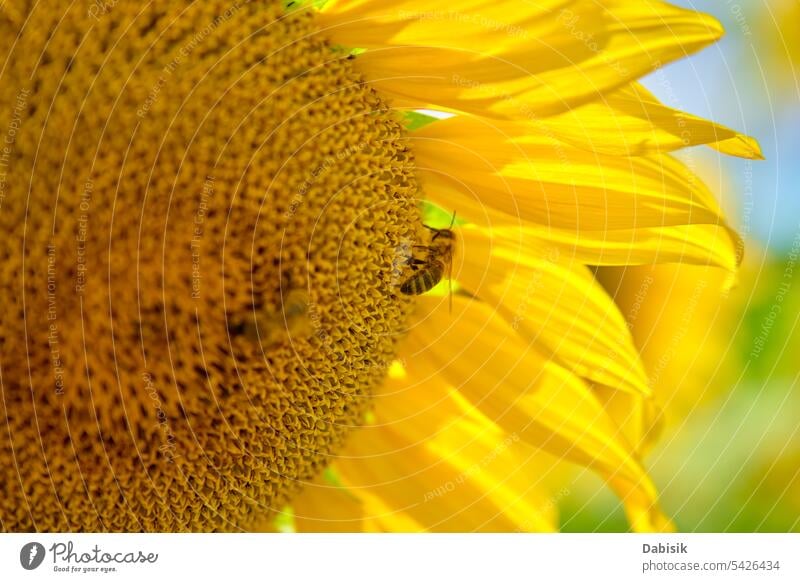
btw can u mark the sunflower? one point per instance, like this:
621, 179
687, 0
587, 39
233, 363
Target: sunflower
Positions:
210, 211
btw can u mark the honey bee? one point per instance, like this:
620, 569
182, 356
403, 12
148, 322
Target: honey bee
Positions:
438, 258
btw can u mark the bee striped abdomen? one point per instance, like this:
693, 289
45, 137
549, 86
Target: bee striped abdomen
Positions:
425, 280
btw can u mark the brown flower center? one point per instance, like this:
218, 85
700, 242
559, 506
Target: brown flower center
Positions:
201, 207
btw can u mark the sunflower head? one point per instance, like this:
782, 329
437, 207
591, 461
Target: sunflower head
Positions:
206, 205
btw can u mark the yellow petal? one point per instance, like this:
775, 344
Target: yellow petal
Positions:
502, 468
698, 244
406, 485
482, 25
538, 179
476, 465
554, 61
327, 507
554, 301
639, 419
526, 394
677, 317
632, 121
514, 477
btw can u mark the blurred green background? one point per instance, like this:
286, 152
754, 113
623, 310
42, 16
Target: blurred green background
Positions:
731, 463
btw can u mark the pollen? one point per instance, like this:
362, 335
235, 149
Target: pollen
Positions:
202, 205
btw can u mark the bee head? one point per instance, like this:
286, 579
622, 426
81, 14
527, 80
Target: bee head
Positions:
443, 233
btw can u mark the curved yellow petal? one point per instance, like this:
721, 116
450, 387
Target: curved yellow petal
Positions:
446, 456
527, 395
407, 485
426, 408
640, 419
676, 314
570, 55
698, 244
632, 121
504, 469
323, 506
481, 25
553, 301
538, 179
